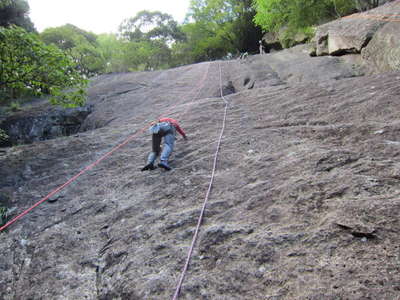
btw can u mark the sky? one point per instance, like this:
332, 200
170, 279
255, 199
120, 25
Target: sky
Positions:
98, 16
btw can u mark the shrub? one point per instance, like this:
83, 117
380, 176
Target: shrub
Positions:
28, 66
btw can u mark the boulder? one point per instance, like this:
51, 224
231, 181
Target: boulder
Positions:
347, 35
271, 39
383, 52
300, 38
374, 33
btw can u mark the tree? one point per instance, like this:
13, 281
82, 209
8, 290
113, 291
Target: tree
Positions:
113, 52
28, 66
15, 12
78, 43
246, 33
231, 21
147, 25
203, 43
147, 40
5, 3
293, 16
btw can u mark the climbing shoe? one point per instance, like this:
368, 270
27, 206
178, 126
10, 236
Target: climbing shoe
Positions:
148, 167
164, 166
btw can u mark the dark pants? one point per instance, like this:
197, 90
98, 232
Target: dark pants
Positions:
156, 142
168, 146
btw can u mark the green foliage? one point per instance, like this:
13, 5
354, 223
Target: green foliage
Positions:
3, 135
113, 51
226, 25
5, 3
122, 56
28, 66
79, 44
153, 40
15, 12
294, 16
272, 15
147, 25
203, 43
145, 43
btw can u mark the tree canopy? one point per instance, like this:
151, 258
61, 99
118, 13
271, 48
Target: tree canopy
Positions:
15, 12
227, 24
274, 14
28, 66
79, 44
288, 17
147, 25
146, 41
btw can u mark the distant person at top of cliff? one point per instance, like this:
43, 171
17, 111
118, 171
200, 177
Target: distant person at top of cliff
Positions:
164, 128
261, 47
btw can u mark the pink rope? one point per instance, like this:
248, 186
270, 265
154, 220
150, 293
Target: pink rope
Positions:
178, 288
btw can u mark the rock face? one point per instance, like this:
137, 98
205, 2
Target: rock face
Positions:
383, 51
272, 41
374, 33
346, 36
26, 128
304, 205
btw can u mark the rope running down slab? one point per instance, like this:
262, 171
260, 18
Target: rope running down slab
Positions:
178, 288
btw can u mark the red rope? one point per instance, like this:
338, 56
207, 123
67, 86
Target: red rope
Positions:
91, 166
178, 288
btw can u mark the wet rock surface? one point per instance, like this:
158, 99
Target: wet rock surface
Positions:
304, 205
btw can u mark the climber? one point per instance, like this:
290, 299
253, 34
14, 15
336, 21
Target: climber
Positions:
164, 128
261, 47
243, 55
